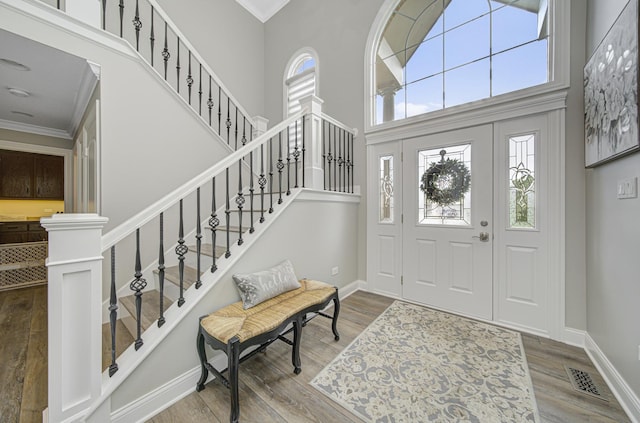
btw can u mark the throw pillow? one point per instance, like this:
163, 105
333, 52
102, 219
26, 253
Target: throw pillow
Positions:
260, 286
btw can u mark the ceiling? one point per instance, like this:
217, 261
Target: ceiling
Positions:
263, 9
48, 94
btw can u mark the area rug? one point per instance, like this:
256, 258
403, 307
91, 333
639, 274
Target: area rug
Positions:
414, 364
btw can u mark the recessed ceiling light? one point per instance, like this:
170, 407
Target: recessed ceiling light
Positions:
15, 112
14, 65
18, 92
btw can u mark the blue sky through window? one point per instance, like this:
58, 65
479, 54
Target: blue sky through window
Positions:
472, 52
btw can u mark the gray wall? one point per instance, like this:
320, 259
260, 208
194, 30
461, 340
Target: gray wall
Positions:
317, 226
230, 39
613, 240
337, 30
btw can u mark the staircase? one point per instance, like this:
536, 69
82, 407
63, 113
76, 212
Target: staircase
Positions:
164, 265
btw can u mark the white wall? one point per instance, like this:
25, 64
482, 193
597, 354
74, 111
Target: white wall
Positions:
151, 142
613, 240
231, 41
337, 30
303, 229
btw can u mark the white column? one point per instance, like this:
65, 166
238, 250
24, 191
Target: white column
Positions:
388, 103
313, 172
75, 318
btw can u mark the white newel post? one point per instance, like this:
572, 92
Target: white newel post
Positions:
313, 172
75, 320
261, 126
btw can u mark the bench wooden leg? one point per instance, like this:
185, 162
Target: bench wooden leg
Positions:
295, 351
233, 357
203, 359
336, 312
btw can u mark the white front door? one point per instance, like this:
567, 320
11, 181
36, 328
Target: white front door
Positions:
447, 228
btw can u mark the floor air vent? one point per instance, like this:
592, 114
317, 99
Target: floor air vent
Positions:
582, 382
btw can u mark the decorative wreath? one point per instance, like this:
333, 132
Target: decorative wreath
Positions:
446, 182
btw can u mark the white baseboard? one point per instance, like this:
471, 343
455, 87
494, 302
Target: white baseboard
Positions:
622, 391
349, 289
144, 408
573, 337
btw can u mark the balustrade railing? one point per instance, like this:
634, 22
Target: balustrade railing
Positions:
337, 156
157, 39
244, 169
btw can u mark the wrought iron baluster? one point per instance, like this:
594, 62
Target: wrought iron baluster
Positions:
335, 164
213, 224
104, 14
271, 175
121, 6
329, 158
244, 128
280, 165
137, 285
137, 24
340, 160
303, 148
262, 182
227, 212
165, 52
251, 228
152, 37
161, 270
198, 239
236, 125
200, 91
296, 154
240, 202
219, 109
58, 4
189, 79
210, 101
178, 66
228, 121
181, 250
113, 313
288, 162
352, 163
324, 156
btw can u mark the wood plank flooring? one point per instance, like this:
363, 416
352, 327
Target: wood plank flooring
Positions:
269, 391
23, 354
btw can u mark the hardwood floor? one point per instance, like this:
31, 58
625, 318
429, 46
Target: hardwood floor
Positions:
269, 391
23, 354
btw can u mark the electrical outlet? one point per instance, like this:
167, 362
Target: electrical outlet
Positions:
335, 270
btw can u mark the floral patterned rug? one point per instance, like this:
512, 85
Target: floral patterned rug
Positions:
414, 364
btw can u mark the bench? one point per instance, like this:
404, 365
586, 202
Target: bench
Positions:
233, 329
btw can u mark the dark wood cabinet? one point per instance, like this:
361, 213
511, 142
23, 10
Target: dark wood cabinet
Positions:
16, 171
49, 177
29, 175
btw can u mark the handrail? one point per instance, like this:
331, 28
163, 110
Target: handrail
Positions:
339, 124
125, 229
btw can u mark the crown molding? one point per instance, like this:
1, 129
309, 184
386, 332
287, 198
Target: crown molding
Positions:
35, 129
261, 9
86, 87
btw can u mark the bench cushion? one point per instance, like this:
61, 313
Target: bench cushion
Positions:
234, 320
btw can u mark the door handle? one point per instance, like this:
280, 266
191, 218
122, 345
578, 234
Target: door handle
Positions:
484, 236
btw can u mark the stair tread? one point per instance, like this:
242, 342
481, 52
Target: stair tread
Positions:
172, 274
123, 340
206, 250
150, 307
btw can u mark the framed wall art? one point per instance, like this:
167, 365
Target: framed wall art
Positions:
611, 92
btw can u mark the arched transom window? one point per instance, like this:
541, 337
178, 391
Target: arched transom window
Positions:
437, 54
300, 80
